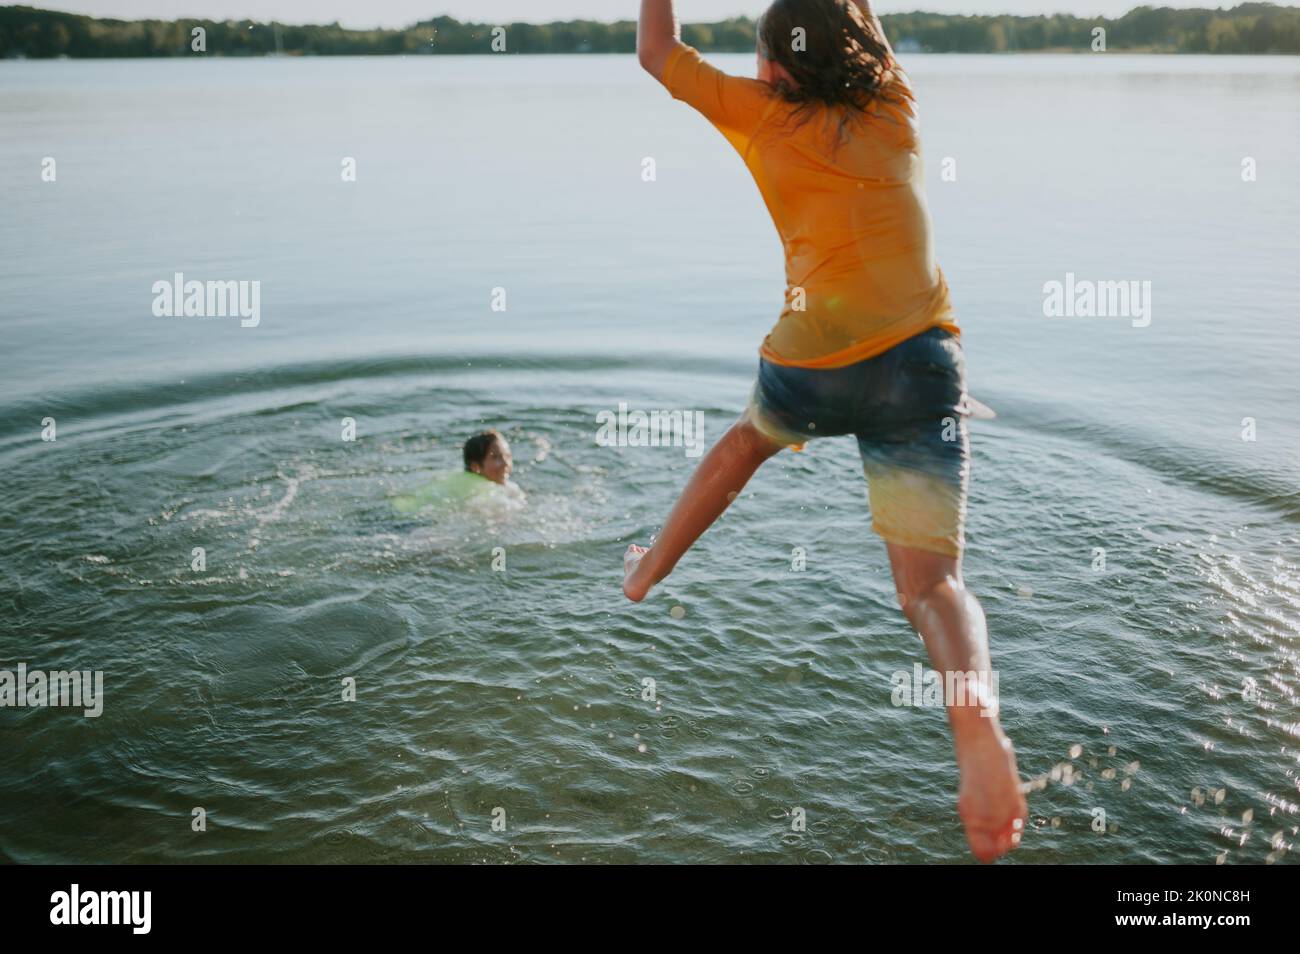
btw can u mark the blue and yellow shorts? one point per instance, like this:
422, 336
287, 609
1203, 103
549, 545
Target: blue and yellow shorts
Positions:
907, 407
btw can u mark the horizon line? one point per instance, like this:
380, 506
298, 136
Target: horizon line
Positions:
742, 17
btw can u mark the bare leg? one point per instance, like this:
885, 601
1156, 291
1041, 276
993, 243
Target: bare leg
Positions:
722, 474
951, 623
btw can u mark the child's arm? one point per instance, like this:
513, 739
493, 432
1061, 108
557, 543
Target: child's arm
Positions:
876, 25
656, 36
734, 104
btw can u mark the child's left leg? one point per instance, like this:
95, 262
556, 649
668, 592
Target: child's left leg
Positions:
722, 474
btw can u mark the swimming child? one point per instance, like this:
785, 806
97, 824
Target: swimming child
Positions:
867, 343
487, 454
485, 481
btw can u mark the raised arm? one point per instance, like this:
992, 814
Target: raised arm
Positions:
656, 35
876, 25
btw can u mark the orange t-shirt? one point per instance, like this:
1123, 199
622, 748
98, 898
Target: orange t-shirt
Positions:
859, 260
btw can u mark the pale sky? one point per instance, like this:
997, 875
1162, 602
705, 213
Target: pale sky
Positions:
396, 13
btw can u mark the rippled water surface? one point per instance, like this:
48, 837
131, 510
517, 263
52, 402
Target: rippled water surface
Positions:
522, 689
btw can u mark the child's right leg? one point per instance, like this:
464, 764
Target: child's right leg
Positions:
951, 623
916, 454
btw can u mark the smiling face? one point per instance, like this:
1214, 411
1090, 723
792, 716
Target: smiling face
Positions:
488, 455
497, 462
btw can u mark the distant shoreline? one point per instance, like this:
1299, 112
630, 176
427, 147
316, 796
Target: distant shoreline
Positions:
1160, 53
1249, 28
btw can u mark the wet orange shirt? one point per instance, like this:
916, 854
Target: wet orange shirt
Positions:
859, 260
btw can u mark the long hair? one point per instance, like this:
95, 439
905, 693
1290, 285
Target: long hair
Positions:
831, 50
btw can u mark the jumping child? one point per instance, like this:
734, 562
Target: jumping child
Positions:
867, 343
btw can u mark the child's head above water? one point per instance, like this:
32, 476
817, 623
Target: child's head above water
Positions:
488, 455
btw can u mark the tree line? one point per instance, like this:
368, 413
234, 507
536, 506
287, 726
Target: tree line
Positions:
1247, 28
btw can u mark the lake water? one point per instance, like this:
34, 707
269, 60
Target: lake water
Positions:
1166, 678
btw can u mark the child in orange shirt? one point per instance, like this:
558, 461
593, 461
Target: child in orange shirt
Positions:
867, 343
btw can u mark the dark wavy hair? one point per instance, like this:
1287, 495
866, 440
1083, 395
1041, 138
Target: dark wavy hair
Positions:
843, 62
477, 447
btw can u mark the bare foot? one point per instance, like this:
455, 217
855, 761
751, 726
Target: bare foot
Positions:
991, 802
634, 587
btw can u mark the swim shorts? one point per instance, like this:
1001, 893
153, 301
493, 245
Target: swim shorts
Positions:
907, 407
